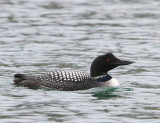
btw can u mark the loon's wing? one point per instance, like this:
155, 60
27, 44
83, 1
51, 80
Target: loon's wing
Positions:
61, 80
67, 80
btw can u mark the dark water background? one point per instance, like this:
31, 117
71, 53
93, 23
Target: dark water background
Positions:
37, 36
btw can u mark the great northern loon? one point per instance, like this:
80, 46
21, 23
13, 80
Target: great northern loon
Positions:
70, 80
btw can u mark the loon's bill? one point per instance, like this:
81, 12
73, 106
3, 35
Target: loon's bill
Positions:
70, 80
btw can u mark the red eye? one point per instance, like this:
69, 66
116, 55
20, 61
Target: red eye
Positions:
108, 60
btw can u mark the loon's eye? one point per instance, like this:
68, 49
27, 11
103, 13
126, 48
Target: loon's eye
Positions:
108, 60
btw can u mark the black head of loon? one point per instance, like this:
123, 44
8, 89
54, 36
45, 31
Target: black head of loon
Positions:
102, 64
70, 80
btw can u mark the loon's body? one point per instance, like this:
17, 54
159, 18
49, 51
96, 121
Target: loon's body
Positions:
70, 80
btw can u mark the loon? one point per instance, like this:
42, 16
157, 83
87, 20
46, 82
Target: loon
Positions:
70, 80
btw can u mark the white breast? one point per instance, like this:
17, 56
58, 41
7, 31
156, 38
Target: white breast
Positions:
112, 82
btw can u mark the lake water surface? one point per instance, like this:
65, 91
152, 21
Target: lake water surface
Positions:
38, 36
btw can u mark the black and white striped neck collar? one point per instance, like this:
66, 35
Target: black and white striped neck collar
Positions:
103, 78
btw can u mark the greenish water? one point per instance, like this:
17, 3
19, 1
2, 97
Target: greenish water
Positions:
44, 35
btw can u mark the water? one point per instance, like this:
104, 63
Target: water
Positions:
43, 35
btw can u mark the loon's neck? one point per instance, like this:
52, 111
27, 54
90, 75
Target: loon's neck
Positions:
107, 80
103, 78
